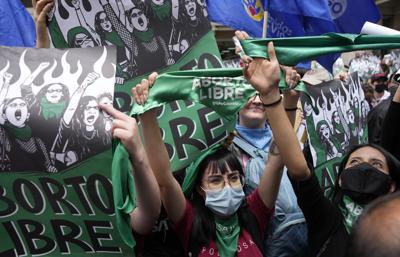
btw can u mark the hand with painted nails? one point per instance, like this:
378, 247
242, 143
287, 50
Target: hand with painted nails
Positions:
141, 91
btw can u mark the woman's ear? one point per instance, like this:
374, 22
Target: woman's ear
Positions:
392, 187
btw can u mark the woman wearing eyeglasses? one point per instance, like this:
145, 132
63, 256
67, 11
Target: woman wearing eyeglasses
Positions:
216, 219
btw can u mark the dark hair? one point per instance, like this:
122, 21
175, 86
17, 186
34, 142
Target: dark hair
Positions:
97, 27
9, 100
43, 92
78, 124
203, 229
392, 162
371, 239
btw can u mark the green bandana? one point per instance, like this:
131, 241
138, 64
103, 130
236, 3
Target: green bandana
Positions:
350, 211
227, 231
114, 38
144, 36
124, 193
223, 90
191, 170
291, 51
52, 110
162, 11
23, 134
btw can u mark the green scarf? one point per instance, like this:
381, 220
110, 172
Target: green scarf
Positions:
23, 134
162, 11
144, 36
114, 38
52, 110
123, 192
227, 231
291, 51
350, 211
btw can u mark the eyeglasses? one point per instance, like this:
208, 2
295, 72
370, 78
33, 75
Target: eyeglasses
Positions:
80, 41
218, 182
54, 90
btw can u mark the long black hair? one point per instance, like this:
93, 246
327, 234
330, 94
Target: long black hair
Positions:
203, 229
392, 162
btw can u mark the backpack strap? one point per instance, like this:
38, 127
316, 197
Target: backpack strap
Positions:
251, 150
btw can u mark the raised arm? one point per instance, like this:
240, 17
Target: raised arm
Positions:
171, 193
41, 9
270, 181
83, 22
148, 203
76, 97
263, 74
3, 93
121, 11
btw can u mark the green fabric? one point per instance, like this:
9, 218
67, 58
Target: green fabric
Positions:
162, 11
124, 193
52, 110
350, 212
114, 38
144, 36
74, 31
291, 51
227, 232
223, 90
191, 170
23, 134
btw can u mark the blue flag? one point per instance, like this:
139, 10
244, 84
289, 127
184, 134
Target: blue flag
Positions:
247, 15
350, 15
293, 18
17, 27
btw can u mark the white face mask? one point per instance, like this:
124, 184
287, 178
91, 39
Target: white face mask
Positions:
226, 201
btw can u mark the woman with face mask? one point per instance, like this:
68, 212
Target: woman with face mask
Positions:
217, 218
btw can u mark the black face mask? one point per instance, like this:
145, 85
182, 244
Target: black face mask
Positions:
380, 88
363, 183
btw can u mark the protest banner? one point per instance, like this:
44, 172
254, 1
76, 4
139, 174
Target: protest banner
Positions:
336, 119
53, 200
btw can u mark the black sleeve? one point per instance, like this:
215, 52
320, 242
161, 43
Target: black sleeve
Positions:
318, 211
390, 130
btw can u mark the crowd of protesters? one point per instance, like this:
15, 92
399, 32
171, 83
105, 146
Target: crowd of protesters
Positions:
259, 196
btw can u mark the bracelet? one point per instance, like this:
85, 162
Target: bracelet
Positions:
273, 103
291, 109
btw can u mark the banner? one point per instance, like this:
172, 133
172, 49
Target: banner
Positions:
149, 35
53, 200
336, 119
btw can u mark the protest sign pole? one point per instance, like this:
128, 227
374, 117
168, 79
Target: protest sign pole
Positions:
265, 25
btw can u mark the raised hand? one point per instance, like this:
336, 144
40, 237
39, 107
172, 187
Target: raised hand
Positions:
90, 79
40, 10
262, 73
141, 91
7, 78
76, 4
125, 128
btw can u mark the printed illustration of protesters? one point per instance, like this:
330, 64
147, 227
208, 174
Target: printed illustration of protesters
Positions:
106, 99
162, 9
331, 145
46, 107
187, 25
5, 148
141, 41
79, 133
84, 24
109, 36
21, 150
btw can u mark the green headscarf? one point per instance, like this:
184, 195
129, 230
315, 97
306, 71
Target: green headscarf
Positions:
350, 211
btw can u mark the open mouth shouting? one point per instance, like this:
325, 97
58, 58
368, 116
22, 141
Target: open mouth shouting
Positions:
18, 114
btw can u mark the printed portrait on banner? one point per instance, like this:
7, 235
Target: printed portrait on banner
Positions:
336, 119
149, 35
49, 104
